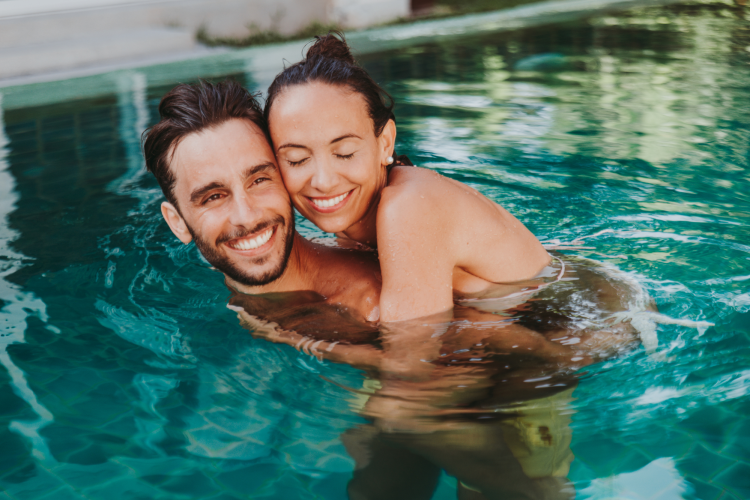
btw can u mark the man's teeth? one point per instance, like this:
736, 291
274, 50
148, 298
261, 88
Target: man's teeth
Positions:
250, 244
329, 202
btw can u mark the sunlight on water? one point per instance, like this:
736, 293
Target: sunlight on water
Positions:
622, 138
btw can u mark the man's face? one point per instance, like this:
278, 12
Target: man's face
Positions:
232, 202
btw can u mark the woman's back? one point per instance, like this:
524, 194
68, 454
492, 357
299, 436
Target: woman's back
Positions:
436, 236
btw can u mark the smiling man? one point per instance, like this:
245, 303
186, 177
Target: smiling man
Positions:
210, 154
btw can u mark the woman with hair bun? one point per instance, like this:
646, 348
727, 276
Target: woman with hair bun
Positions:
333, 132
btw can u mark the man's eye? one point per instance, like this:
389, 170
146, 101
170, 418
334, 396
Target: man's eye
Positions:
296, 163
213, 197
261, 179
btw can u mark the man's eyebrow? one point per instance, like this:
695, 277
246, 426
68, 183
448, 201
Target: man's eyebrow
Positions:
250, 171
200, 192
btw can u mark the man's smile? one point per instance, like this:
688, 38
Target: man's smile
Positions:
331, 203
258, 241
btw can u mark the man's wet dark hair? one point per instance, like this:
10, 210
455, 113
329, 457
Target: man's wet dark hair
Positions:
329, 60
187, 109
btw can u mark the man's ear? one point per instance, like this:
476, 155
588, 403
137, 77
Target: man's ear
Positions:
176, 223
387, 141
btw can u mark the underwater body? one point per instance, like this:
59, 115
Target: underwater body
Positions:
623, 138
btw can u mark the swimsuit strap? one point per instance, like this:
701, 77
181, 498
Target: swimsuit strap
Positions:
562, 269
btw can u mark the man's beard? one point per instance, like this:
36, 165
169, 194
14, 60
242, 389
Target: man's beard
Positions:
222, 263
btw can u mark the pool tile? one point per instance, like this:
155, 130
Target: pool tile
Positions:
37, 484
739, 447
68, 390
21, 474
88, 476
706, 491
193, 485
710, 426
703, 463
249, 479
125, 488
226, 496
63, 493
332, 486
607, 456
15, 452
736, 479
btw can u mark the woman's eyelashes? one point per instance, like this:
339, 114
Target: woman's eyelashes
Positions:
296, 163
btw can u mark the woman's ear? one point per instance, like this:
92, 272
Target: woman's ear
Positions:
176, 222
387, 141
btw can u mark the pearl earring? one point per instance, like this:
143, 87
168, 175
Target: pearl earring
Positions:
389, 160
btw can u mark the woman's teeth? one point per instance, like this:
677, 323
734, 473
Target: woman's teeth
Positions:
330, 201
253, 243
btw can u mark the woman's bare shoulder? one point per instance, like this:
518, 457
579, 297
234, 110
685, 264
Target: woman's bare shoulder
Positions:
410, 177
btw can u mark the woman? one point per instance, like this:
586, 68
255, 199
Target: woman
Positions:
333, 132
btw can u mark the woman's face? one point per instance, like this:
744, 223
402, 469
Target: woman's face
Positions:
332, 163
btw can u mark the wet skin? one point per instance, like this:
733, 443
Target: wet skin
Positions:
232, 201
435, 236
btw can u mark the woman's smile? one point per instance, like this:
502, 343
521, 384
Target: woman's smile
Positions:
329, 204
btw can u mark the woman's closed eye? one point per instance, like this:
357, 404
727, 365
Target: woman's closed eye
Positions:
344, 157
296, 163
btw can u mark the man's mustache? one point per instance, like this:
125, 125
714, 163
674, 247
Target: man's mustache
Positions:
241, 232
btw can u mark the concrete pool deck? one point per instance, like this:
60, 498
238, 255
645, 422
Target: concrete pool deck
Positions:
42, 37
262, 63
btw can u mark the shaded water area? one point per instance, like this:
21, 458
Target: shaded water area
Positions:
124, 375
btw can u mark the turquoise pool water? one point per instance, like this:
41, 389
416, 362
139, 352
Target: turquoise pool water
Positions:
124, 375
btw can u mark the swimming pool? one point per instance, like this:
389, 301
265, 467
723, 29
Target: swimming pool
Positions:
125, 376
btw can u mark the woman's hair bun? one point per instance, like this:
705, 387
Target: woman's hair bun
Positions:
331, 46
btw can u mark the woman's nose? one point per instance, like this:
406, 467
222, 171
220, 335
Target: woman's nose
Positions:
324, 178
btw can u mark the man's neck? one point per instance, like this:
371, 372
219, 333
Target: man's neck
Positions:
300, 272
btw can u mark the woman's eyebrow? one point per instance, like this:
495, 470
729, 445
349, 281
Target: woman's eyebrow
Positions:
347, 136
289, 145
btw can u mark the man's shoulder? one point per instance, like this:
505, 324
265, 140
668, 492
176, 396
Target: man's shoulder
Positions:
351, 277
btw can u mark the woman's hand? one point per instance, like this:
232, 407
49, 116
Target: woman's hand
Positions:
365, 357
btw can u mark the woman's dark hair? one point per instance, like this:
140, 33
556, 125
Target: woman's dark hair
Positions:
187, 109
329, 60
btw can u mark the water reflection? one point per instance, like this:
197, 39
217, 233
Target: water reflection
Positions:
481, 393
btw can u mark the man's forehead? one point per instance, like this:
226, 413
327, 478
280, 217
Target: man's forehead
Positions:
220, 152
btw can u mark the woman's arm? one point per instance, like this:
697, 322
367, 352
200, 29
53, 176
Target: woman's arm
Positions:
365, 357
416, 251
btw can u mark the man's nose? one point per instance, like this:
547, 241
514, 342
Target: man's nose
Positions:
243, 212
324, 178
